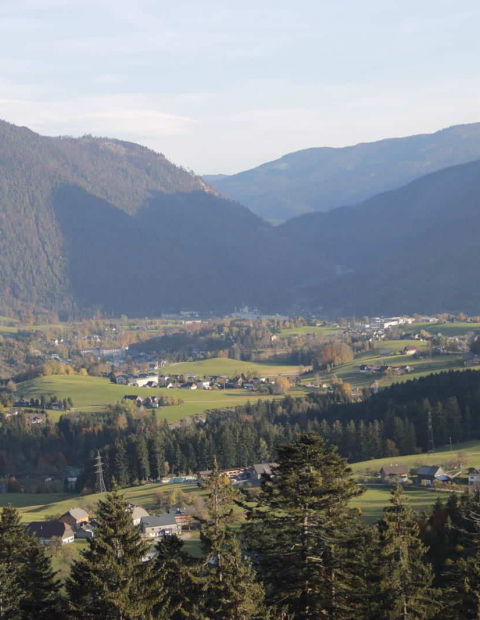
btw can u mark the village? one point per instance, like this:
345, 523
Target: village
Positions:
179, 520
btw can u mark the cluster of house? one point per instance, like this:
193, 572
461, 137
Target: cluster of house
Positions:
77, 523
150, 402
241, 474
384, 369
193, 382
425, 474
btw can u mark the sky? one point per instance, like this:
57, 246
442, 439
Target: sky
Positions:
221, 86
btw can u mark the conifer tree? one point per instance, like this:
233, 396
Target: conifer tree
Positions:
300, 529
179, 586
28, 585
110, 580
42, 600
230, 591
461, 578
120, 463
11, 594
405, 588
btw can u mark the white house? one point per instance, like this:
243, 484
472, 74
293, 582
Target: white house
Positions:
46, 531
159, 525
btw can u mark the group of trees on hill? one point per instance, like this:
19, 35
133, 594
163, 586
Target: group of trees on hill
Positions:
302, 553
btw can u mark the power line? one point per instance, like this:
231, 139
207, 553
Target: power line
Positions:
101, 488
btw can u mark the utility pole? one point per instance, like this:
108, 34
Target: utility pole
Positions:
101, 488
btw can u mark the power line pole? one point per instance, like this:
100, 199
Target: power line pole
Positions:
101, 488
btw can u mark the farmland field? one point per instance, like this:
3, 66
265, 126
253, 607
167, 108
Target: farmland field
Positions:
94, 393
309, 329
228, 367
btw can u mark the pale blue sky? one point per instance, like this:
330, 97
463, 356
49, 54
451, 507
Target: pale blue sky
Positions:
224, 85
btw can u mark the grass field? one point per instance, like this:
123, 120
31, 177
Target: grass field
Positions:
38, 507
94, 393
309, 329
387, 353
228, 367
374, 500
446, 329
470, 452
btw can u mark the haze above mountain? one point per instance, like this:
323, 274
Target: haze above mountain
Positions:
321, 179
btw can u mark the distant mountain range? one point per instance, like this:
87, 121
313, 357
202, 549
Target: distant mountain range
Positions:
320, 179
92, 223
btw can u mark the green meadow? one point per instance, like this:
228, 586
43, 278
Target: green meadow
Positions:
94, 393
388, 353
446, 329
228, 367
443, 456
374, 500
38, 507
309, 329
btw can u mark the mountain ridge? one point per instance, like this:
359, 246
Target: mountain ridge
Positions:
323, 178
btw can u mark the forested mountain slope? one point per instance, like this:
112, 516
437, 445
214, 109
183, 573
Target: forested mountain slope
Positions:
95, 222
412, 249
320, 179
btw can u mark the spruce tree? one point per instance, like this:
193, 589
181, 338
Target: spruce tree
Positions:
461, 578
120, 463
28, 585
179, 586
300, 528
405, 587
42, 600
110, 580
230, 590
11, 594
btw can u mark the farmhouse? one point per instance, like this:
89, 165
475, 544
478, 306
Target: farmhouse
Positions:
46, 531
429, 473
189, 385
257, 471
75, 516
121, 379
137, 514
159, 525
394, 472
